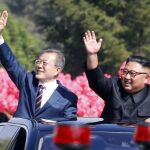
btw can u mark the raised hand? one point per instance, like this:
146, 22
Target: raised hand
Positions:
91, 44
3, 20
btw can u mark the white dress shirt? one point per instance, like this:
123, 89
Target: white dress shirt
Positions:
1, 40
48, 90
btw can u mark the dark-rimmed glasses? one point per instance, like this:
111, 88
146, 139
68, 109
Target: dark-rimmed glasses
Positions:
132, 73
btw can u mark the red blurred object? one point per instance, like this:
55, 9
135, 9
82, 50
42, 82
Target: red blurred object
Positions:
72, 136
142, 133
142, 136
89, 103
9, 93
121, 67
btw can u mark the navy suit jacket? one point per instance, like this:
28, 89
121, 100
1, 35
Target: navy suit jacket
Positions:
62, 105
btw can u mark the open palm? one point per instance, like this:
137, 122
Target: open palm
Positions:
3, 20
91, 44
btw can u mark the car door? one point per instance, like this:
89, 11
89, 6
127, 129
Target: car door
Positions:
9, 135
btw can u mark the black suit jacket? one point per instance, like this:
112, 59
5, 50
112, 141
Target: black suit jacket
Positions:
120, 106
62, 105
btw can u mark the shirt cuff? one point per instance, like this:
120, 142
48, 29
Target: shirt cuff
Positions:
1, 40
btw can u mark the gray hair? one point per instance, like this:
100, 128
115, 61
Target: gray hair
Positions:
60, 60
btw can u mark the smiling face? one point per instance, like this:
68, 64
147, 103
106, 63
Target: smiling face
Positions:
134, 84
45, 67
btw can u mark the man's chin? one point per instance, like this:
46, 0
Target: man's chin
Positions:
127, 89
39, 77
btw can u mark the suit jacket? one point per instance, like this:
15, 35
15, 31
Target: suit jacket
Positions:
62, 105
120, 106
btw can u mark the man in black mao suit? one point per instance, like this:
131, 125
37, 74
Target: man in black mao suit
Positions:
127, 99
57, 103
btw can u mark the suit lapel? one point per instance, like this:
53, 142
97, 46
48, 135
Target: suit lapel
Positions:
52, 100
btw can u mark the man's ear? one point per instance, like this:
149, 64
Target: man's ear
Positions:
147, 79
59, 69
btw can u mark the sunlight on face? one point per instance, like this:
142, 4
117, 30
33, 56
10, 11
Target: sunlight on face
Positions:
134, 77
45, 67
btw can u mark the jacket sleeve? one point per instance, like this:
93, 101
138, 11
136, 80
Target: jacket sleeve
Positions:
70, 111
98, 82
12, 65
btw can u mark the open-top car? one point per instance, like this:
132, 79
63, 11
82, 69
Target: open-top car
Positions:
24, 134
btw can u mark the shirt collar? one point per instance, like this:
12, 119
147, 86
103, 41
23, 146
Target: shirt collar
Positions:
49, 84
137, 97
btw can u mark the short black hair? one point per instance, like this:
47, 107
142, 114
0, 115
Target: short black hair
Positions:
145, 62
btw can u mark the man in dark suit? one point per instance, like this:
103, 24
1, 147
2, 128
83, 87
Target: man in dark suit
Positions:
55, 102
127, 98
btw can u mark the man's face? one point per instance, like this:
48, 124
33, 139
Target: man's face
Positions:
134, 77
45, 67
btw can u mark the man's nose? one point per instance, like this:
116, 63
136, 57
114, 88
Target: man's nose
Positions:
128, 76
40, 64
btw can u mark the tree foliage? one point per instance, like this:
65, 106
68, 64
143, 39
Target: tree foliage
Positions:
24, 44
124, 26
134, 16
66, 24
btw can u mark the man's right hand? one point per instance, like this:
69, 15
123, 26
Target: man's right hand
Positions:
3, 20
91, 44
92, 48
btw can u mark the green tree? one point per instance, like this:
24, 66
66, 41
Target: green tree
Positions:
134, 16
124, 26
137, 19
64, 23
24, 44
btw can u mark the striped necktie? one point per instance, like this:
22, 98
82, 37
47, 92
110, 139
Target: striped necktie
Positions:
39, 98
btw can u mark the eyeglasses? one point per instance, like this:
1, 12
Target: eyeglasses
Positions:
39, 61
131, 73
